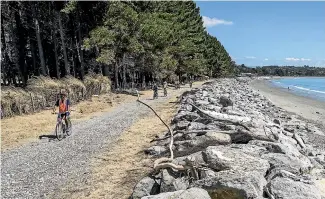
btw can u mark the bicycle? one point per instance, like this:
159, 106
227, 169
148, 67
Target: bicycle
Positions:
60, 128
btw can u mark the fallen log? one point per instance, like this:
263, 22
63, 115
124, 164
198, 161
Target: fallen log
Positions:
216, 118
194, 131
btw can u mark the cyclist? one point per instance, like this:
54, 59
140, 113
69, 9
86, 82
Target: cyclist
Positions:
64, 107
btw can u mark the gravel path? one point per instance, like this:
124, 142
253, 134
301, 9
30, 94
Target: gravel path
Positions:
39, 169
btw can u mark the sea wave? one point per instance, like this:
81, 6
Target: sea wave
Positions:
307, 89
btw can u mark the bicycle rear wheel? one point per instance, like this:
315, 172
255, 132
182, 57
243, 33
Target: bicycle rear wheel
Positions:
59, 131
68, 130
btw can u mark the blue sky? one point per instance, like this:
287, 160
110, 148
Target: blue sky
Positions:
267, 33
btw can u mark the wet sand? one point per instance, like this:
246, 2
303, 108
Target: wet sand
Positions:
308, 108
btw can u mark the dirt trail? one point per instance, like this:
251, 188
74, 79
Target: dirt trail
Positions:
102, 159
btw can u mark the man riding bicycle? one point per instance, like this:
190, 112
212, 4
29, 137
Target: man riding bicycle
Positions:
64, 107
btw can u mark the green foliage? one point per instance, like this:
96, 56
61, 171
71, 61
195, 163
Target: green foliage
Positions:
163, 39
70, 7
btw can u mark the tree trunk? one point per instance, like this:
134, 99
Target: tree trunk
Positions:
79, 44
116, 74
20, 44
65, 56
124, 73
55, 42
44, 69
33, 51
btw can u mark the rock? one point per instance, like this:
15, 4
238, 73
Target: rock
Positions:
156, 150
185, 115
287, 188
276, 121
288, 162
170, 182
196, 126
196, 157
222, 158
234, 184
192, 193
181, 125
225, 101
220, 138
186, 107
277, 147
213, 100
249, 149
202, 102
146, 186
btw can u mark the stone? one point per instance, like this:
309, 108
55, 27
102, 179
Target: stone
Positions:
222, 158
192, 193
277, 121
185, 115
156, 150
146, 186
225, 101
181, 125
288, 162
277, 147
233, 184
202, 102
287, 188
196, 126
170, 182
219, 138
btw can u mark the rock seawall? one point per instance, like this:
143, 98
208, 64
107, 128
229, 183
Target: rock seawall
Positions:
234, 143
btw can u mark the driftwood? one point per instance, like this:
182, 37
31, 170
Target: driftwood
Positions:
194, 131
164, 162
299, 140
219, 119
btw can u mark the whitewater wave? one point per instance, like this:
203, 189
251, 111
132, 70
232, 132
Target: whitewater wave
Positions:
310, 90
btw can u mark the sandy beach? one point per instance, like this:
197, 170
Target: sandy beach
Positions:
310, 109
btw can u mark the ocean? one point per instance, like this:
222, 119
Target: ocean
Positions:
313, 87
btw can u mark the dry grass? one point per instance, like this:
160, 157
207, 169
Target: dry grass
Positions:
19, 130
117, 170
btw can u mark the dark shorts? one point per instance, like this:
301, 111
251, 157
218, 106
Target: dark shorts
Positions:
61, 115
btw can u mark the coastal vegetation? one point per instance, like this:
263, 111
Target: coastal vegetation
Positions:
129, 42
282, 70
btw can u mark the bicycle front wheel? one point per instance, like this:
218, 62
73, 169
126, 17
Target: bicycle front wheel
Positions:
59, 131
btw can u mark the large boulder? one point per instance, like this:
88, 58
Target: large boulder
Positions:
233, 184
226, 158
193, 193
146, 186
289, 163
171, 182
287, 188
214, 137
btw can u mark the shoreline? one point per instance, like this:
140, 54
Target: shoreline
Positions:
310, 109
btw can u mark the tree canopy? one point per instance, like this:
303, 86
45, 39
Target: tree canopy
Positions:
135, 42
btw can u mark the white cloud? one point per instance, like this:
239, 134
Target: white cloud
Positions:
297, 59
266, 59
209, 22
292, 59
250, 57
